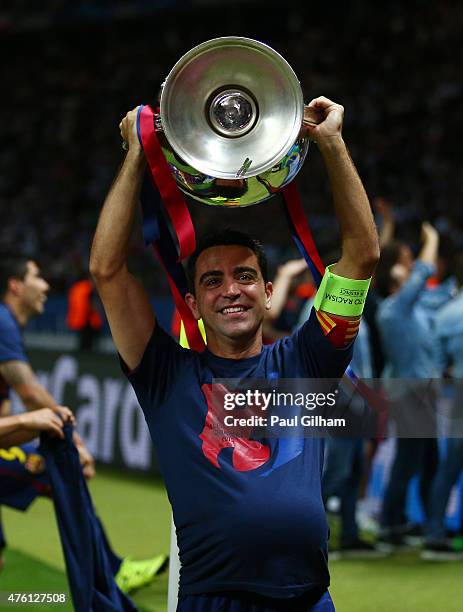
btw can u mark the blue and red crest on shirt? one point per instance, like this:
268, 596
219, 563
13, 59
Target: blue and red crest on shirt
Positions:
247, 454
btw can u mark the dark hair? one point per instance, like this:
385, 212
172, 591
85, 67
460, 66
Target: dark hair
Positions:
11, 267
227, 237
390, 254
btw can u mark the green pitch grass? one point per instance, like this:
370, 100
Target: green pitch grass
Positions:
136, 514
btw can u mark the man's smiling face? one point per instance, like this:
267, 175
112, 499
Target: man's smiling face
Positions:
230, 294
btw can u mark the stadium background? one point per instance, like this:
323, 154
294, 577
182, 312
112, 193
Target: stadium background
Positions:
71, 70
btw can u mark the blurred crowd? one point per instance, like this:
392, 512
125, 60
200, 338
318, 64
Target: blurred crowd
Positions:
410, 337
66, 85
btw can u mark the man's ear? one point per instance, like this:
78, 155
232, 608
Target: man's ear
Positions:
268, 293
14, 285
192, 305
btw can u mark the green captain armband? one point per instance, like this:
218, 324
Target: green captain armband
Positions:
341, 296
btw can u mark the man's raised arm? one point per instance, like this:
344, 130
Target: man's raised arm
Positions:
125, 301
359, 239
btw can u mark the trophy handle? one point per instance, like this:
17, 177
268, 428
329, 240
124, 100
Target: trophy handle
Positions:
312, 116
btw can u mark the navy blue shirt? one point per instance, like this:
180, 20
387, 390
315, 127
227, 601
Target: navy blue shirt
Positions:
249, 515
11, 344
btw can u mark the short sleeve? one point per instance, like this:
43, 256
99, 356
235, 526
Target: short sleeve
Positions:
157, 373
320, 358
11, 344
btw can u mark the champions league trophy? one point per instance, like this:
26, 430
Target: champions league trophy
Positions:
229, 122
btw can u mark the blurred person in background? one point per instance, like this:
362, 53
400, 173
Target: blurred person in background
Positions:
441, 286
23, 293
292, 287
83, 315
408, 345
449, 342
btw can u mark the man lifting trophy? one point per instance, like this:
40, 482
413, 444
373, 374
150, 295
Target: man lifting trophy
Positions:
231, 129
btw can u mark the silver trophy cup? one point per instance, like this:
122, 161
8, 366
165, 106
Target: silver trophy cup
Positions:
231, 112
